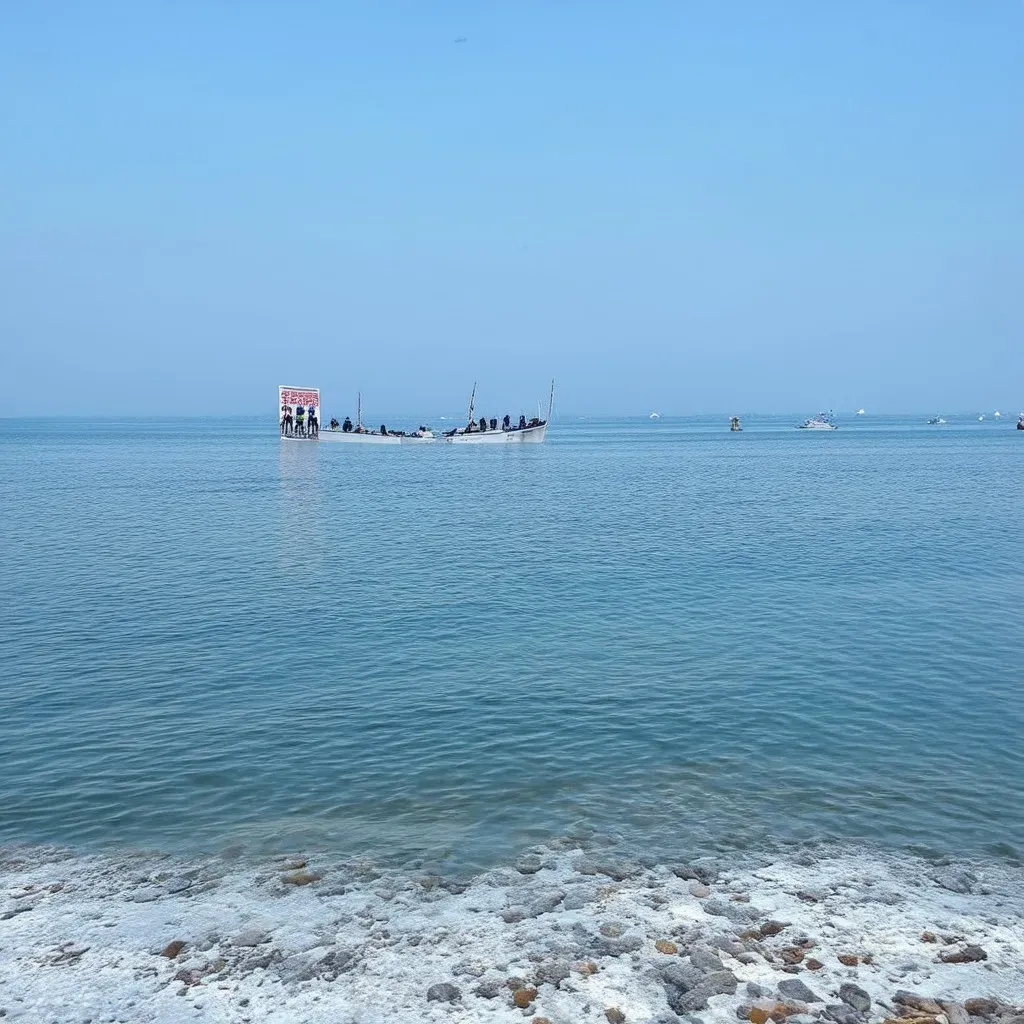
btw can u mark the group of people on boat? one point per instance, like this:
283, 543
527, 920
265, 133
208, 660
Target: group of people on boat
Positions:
348, 428
300, 421
484, 425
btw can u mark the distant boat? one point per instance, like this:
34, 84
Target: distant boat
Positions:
734, 424
997, 414
980, 418
860, 412
823, 421
300, 420
936, 419
526, 432
1020, 421
654, 416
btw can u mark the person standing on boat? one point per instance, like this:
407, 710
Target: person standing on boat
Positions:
347, 425
300, 420
286, 417
522, 422
314, 423
383, 430
506, 423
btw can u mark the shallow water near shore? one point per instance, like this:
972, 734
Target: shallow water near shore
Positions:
662, 636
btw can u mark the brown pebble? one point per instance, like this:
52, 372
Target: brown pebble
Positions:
172, 949
294, 865
758, 1015
585, 967
771, 928
740, 898
929, 937
523, 997
664, 946
539, 1020
849, 959
301, 878
814, 965
792, 954
614, 1015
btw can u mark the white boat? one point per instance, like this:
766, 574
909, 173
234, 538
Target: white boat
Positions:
860, 412
307, 426
655, 416
527, 432
823, 421
935, 420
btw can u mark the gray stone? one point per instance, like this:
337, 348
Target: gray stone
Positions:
512, 915
681, 976
728, 944
490, 988
552, 972
705, 959
617, 947
749, 958
251, 936
842, 1013
529, 865
718, 983
178, 884
579, 896
801, 1018
794, 988
544, 902
618, 871
443, 992
954, 880
755, 991
740, 913
699, 889
855, 996
966, 955
955, 1012
147, 894
697, 871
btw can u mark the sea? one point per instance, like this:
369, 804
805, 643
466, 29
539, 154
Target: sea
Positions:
658, 636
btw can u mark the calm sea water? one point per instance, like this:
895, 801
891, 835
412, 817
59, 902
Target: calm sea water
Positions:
662, 631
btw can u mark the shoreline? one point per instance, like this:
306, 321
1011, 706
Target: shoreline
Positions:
562, 934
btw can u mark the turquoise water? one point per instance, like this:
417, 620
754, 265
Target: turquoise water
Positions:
659, 632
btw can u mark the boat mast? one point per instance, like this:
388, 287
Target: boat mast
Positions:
359, 409
472, 399
551, 399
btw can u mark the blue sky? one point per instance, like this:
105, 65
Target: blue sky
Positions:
683, 206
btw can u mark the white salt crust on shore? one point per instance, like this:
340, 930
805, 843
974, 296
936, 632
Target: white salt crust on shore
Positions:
81, 936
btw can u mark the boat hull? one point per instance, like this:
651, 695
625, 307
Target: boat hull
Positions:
528, 435
351, 437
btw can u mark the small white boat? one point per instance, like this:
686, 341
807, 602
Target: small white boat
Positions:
997, 414
526, 432
655, 416
823, 421
936, 420
860, 412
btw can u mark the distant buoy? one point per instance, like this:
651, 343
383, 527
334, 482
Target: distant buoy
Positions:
980, 418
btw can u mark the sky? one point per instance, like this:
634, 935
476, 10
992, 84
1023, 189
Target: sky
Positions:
684, 206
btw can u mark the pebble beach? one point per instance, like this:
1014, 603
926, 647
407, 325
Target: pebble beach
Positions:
561, 935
